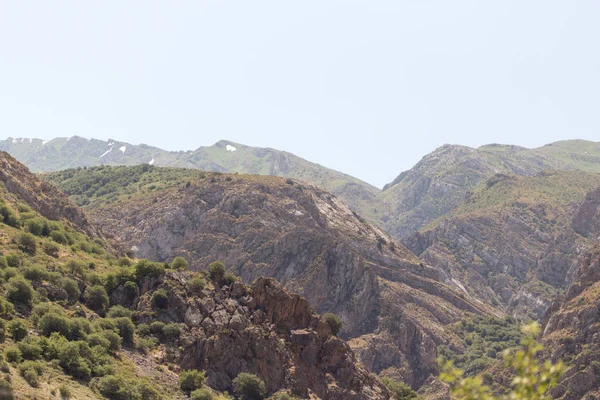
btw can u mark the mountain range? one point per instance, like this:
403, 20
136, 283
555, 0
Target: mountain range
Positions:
488, 236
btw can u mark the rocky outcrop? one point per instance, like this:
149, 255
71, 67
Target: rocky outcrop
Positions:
511, 242
40, 195
393, 307
440, 181
261, 329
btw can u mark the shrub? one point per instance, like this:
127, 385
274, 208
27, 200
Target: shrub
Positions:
144, 345
171, 331
34, 226
72, 361
124, 262
2, 331
114, 339
334, 322
8, 217
6, 308
27, 243
20, 291
249, 387
80, 328
31, 371
201, 394
399, 390
228, 279
3, 262
30, 348
64, 391
179, 263
75, 267
156, 327
126, 329
160, 299
96, 339
51, 249
58, 237
283, 396
143, 329
17, 329
145, 268
13, 354
72, 288
191, 380
197, 284
96, 298
216, 270
13, 260
131, 289
119, 311
6, 390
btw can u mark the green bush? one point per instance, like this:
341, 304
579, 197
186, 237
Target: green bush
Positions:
27, 243
145, 268
124, 262
2, 331
144, 345
249, 387
96, 339
6, 390
160, 299
119, 311
13, 354
72, 361
399, 390
31, 371
59, 237
65, 392
197, 284
75, 267
13, 260
191, 380
17, 329
143, 329
171, 331
6, 309
202, 394
156, 327
283, 396
114, 339
20, 291
51, 249
96, 298
30, 348
34, 226
179, 263
80, 328
228, 279
216, 271
3, 262
126, 329
334, 322
72, 288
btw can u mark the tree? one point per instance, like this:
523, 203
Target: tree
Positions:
96, 298
334, 322
27, 243
179, 263
399, 390
249, 387
191, 380
20, 291
532, 378
217, 271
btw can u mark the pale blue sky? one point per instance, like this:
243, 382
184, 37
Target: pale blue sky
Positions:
365, 87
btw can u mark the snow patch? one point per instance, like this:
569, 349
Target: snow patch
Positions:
151, 161
123, 148
30, 141
111, 143
22, 140
44, 142
106, 152
14, 140
230, 148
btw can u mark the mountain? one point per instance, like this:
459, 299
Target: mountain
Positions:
571, 325
511, 241
224, 156
77, 322
394, 308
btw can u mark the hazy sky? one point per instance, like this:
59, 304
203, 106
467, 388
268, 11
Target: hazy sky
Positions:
365, 87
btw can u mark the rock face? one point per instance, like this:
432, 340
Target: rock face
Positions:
261, 329
442, 178
511, 242
40, 195
572, 325
393, 307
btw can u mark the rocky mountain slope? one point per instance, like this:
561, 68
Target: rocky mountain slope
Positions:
510, 242
223, 156
394, 308
76, 322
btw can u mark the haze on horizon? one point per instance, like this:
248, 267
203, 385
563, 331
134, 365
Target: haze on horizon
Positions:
366, 88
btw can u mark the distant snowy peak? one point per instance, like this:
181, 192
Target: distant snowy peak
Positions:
230, 148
